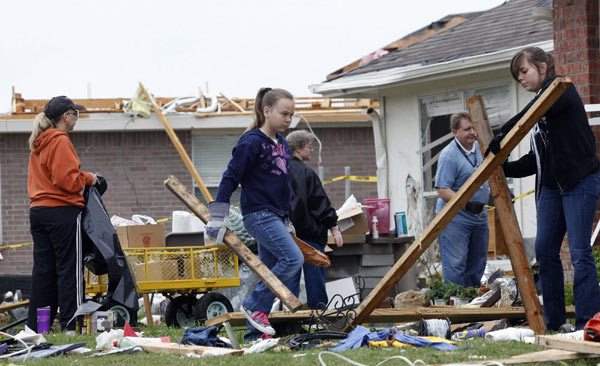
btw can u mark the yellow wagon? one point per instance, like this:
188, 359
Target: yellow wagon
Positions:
180, 273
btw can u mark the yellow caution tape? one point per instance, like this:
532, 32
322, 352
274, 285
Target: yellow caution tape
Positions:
15, 246
355, 178
491, 208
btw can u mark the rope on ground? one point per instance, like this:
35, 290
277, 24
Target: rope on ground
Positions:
409, 362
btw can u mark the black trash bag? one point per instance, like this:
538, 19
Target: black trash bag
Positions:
102, 250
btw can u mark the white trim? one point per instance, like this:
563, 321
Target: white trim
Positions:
592, 107
375, 80
105, 122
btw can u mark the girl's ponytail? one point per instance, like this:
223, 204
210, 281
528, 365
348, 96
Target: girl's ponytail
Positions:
266, 97
40, 124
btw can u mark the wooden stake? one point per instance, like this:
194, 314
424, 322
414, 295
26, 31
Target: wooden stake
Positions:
178, 146
508, 221
460, 199
148, 308
232, 241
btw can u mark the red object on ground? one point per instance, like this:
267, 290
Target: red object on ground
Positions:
591, 331
128, 331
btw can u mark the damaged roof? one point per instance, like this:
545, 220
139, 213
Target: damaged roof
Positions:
506, 26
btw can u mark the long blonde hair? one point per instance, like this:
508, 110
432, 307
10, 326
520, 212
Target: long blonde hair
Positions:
40, 124
266, 97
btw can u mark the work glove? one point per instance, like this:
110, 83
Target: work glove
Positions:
337, 236
215, 228
494, 145
290, 227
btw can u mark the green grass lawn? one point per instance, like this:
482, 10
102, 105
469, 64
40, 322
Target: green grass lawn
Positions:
474, 348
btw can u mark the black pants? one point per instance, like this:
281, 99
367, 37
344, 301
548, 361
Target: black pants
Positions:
55, 276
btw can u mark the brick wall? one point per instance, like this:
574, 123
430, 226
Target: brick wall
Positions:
136, 164
342, 147
577, 55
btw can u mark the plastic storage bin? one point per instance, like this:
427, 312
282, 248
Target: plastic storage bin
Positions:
379, 207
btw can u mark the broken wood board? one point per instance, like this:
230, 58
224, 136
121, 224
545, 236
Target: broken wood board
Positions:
548, 355
568, 344
508, 221
456, 315
180, 349
233, 242
13, 305
441, 220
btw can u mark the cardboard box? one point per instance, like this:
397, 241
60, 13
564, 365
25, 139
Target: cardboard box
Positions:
141, 236
164, 270
353, 225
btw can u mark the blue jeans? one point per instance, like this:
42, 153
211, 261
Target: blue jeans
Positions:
463, 250
571, 211
277, 250
314, 279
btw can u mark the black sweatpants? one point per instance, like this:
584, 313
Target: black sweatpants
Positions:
55, 275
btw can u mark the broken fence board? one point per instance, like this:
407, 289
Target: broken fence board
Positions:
568, 344
508, 221
441, 220
456, 315
233, 242
180, 349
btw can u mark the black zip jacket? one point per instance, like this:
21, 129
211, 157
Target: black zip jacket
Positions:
529, 164
570, 152
311, 211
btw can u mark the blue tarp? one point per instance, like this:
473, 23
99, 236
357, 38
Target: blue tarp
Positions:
361, 336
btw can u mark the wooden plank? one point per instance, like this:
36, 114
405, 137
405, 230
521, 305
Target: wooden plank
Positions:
148, 309
13, 305
456, 315
548, 355
568, 344
441, 220
233, 242
508, 221
178, 146
237, 106
180, 349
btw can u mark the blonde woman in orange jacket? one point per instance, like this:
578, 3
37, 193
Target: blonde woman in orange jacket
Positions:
55, 184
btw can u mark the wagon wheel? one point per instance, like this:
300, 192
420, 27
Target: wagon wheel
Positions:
180, 311
211, 305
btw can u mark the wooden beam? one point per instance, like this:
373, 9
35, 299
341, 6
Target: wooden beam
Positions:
549, 355
508, 221
398, 315
237, 106
178, 146
460, 199
568, 344
233, 242
13, 305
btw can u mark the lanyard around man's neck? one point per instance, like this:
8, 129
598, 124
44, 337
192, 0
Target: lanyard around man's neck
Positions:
460, 148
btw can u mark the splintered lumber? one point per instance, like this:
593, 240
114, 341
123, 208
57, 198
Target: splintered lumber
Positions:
548, 355
180, 349
13, 305
233, 242
460, 199
311, 255
568, 344
508, 221
178, 146
456, 315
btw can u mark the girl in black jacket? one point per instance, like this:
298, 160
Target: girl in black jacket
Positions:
564, 158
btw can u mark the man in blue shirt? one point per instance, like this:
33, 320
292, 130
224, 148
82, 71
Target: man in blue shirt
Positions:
464, 242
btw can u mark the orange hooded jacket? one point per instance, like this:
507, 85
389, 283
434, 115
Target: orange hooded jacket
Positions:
55, 178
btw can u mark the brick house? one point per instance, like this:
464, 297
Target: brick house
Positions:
421, 84
135, 155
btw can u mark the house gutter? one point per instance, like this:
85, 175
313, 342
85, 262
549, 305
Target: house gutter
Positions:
371, 81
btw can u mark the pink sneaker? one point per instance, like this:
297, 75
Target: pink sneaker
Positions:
259, 320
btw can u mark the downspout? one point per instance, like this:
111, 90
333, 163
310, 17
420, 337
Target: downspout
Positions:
380, 153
